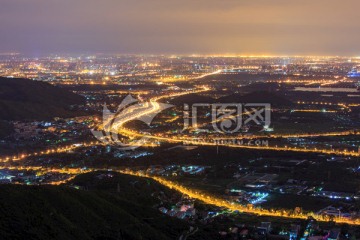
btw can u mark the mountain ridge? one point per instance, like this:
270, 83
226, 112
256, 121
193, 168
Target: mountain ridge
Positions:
24, 99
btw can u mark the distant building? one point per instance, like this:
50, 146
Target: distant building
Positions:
334, 234
354, 73
294, 231
265, 226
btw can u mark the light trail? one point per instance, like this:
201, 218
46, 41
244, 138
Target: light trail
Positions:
209, 74
203, 142
249, 209
194, 194
153, 106
313, 111
146, 109
179, 139
61, 149
72, 172
208, 141
298, 135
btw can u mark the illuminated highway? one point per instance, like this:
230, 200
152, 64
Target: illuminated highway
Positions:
206, 198
62, 149
250, 209
195, 194
210, 142
217, 141
153, 106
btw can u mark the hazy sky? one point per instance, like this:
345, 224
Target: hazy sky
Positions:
327, 27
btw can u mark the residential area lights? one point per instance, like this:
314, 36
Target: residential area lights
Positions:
209, 141
208, 199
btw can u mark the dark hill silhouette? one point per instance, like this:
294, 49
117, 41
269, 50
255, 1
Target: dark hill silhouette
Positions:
60, 212
24, 99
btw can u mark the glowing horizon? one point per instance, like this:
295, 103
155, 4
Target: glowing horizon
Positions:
278, 27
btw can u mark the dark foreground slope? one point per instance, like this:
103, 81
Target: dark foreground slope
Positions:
123, 209
23, 99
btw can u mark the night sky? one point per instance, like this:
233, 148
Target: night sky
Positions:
283, 27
